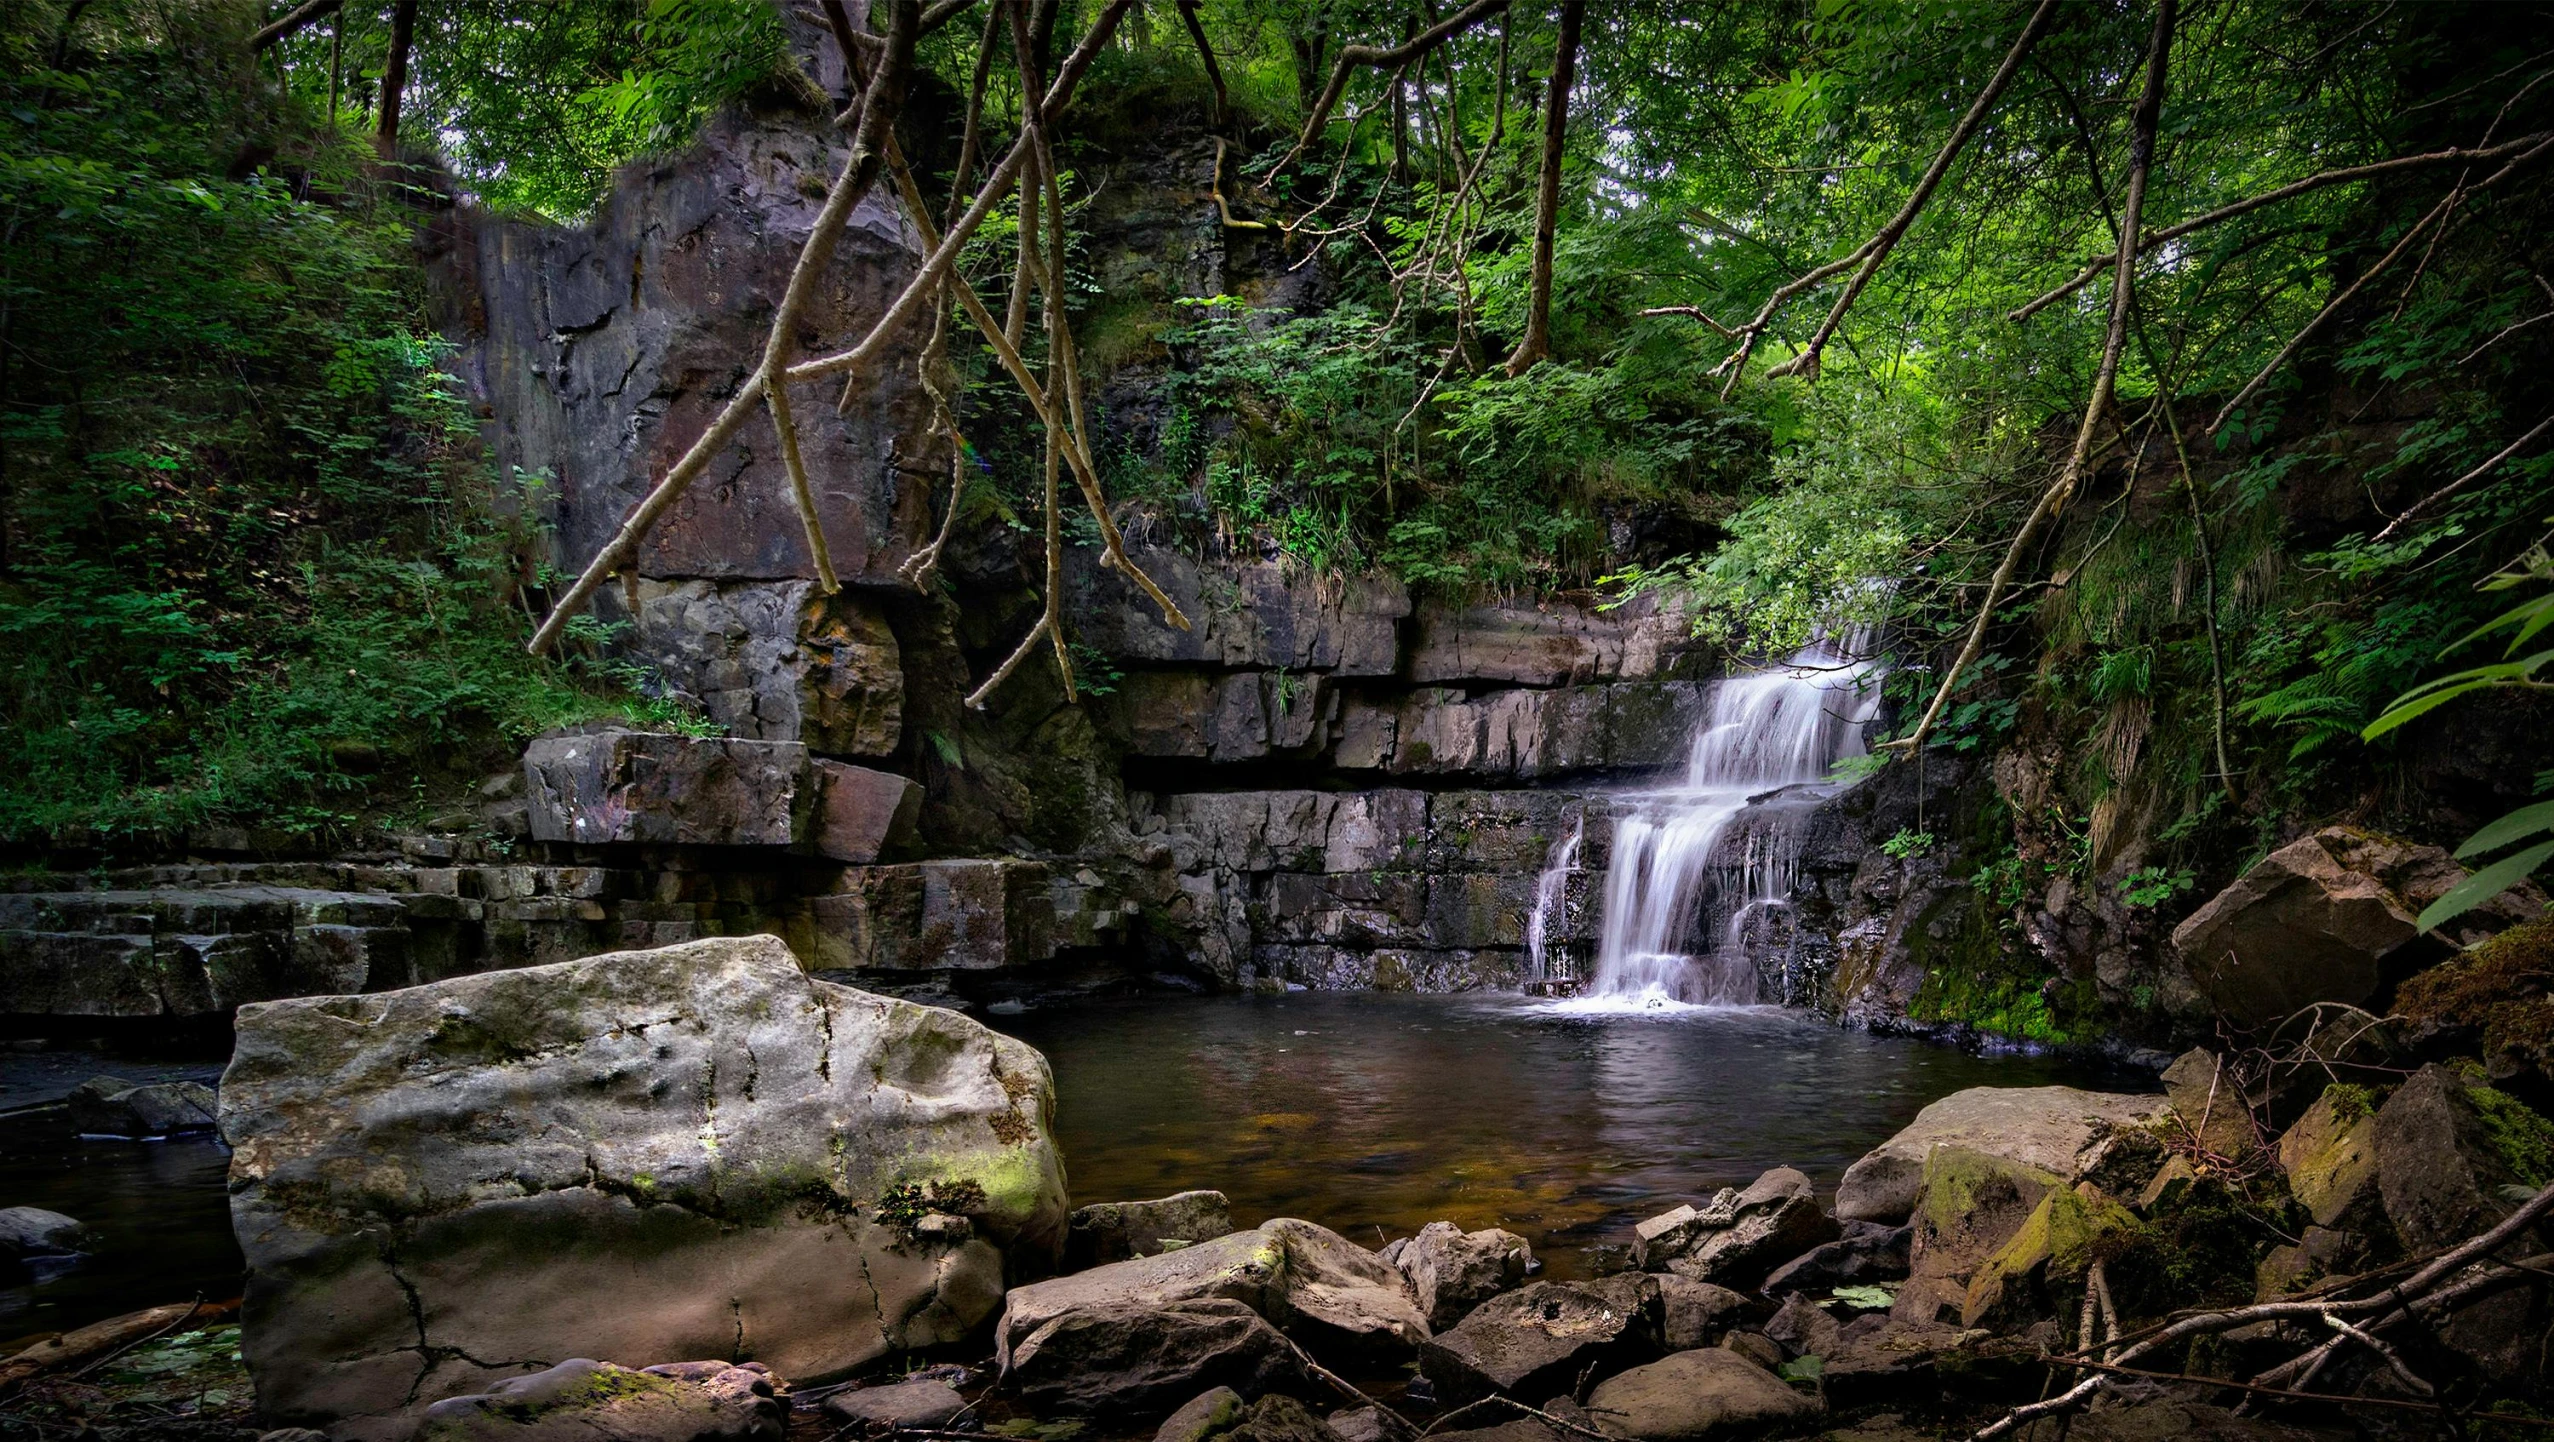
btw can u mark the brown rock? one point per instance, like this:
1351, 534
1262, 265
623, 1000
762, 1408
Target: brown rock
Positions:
2298, 928
1534, 1342
2059, 1130
632, 786
1712, 1393
860, 812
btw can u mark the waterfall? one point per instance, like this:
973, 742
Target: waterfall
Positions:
1691, 861
1550, 890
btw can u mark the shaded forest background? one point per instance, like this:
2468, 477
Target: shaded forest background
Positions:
256, 567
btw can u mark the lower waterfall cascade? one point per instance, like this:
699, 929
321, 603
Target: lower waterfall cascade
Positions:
1692, 861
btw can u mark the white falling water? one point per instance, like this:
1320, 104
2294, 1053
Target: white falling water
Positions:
1550, 890
1687, 855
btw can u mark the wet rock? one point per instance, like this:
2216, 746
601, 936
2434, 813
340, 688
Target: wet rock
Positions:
1133, 1360
1804, 1329
1894, 1362
2061, 1130
1534, 1342
693, 1150
1756, 1347
898, 1404
1246, 614
1521, 1429
1339, 1300
38, 1244
1710, 1393
1696, 1314
2055, 1245
1738, 1236
1213, 1410
2330, 1156
2438, 1170
1866, 1253
860, 812
1973, 1203
1358, 1424
634, 786
586, 1401
2298, 928
2209, 1106
1115, 1231
113, 1107
1452, 1271
1279, 1418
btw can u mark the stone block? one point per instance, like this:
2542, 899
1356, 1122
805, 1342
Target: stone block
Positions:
860, 813
633, 786
961, 915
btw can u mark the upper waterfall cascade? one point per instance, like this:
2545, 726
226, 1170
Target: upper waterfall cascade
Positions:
1693, 861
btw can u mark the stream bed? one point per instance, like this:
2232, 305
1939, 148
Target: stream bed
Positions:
1371, 1114
1377, 1114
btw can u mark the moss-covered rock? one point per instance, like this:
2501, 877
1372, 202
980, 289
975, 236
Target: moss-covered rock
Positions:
2027, 1278
694, 1151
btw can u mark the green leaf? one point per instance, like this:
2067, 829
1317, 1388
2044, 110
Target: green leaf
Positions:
1867, 1299
2526, 821
2483, 885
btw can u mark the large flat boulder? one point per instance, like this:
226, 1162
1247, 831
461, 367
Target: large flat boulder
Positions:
694, 1151
2062, 1130
1340, 1301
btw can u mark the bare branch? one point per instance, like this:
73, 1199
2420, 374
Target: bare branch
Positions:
2318, 181
1352, 56
2461, 482
1694, 311
860, 171
292, 20
1878, 247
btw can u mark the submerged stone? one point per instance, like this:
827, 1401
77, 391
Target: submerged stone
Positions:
692, 1151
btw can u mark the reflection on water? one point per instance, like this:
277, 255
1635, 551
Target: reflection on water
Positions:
1378, 1114
158, 1209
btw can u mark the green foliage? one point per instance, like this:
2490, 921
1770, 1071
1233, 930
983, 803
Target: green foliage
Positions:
2523, 1140
1908, 844
257, 569
2524, 622
2152, 886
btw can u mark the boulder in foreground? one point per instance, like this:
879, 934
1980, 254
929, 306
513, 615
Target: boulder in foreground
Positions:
2077, 1135
1711, 1393
1341, 1302
693, 1151
581, 1400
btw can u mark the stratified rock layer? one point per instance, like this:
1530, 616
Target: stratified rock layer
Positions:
694, 1151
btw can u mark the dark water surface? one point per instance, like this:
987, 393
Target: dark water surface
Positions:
1371, 1114
1375, 1115
158, 1210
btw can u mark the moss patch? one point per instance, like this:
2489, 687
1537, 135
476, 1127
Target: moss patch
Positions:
2500, 987
2523, 1140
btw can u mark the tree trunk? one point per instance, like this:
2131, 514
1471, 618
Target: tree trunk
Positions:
1547, 203
394, 75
